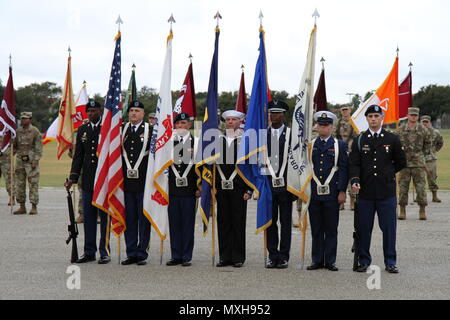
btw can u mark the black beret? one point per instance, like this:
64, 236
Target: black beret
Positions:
373, 109
135, 104
277, 106
92, 104
182, 116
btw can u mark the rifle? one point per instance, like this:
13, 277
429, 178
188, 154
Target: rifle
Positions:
73, 229
355, 247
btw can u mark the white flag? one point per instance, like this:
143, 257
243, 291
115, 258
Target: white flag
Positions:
299, 168
156, 196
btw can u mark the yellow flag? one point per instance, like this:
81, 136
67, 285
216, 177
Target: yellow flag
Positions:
67, 112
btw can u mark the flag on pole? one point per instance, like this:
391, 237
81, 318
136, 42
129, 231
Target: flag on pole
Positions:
253, 150
131, 93
405, 96
320, 97
241, 101
186, 99
8, 114
156, 195
80, 101
204, 166
299, 167
108, 186
386, 97
66, 116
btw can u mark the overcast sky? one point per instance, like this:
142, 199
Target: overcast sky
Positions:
358, 39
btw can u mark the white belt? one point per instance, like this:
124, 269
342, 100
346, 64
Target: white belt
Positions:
143, 150
326, 186
283, 166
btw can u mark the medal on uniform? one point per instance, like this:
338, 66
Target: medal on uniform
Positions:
132, 174
181, 182
84, 137
278, 182
227, 185
323, 190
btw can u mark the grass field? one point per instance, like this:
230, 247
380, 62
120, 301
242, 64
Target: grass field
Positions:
54, 171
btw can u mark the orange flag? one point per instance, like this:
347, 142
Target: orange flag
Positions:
67, 112
386, 96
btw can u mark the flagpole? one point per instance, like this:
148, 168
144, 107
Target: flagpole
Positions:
161, 251
11, 143
213, 217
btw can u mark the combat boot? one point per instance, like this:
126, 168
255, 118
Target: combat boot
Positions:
21, 210
80, 218
402, 215
33, 210
435, 197
422, 214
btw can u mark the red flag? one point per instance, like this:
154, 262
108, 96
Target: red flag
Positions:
405, 96
320, 97
8, 114
186, 99
241, 102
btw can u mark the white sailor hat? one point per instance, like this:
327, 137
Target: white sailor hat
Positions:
325, 117
234, 114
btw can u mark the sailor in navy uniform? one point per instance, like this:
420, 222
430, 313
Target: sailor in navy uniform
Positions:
376, 156
183, 193
85, 160
278, 141
232, 195
136, 143
328, 187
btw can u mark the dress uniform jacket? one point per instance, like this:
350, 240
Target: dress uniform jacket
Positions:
374, 163
276, 159
85, 156
180, 166
132, 145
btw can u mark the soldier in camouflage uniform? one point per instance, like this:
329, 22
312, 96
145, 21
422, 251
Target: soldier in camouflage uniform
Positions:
416, 141
5, 169
28, 148
344, 131
431, 159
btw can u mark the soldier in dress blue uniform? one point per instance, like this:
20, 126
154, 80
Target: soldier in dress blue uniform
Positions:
278, 140
183, 194
136, 143
328, 187
85, 158
232, 195
376, 156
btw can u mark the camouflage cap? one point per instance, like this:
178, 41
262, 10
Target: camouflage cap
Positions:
414, 111
346, 107
152, 115
425, 118
26, 115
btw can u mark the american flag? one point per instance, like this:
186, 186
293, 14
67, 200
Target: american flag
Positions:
108, 188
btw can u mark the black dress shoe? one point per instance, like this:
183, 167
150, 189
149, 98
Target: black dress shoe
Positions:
283, 264
173, 262
331, 267
238, 265
362, 268
315, 266
104, 260
392, 269
128, 261
141, 262
186, 263
222, 264
271, 264
85, 259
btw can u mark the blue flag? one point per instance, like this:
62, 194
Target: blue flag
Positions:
253, 147
204, 167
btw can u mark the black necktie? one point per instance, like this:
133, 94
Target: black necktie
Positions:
375, 136
133, 129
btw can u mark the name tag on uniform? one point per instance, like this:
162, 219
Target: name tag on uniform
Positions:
132, 174
278, 183
181, 182
323, 190
227, 185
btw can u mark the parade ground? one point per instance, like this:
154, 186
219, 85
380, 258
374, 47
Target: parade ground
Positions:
34, 261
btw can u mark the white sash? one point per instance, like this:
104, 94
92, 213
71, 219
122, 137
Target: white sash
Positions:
181, 181
284, 164
143, 150
326, 185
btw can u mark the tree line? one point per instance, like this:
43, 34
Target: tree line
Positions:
43, 100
